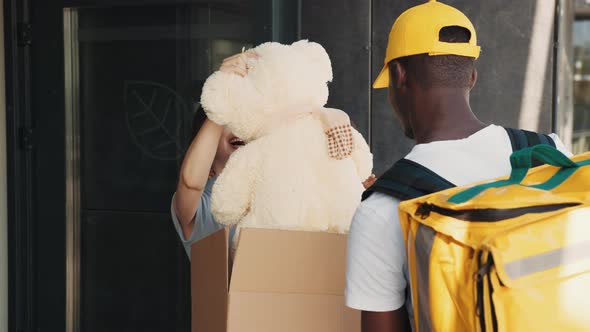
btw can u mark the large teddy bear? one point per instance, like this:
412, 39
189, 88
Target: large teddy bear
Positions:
303, 165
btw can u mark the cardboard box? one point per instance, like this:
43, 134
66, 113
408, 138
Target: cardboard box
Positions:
281, 281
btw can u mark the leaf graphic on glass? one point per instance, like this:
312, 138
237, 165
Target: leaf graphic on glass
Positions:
153, 114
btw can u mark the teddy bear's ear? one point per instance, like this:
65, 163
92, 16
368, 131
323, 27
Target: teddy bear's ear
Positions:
216, 97
318, 58
226, 97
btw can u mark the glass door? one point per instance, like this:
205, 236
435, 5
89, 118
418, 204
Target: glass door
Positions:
133, 77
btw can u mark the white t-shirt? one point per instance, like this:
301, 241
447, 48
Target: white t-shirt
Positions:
376, 271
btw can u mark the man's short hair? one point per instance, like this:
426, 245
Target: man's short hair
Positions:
441, 70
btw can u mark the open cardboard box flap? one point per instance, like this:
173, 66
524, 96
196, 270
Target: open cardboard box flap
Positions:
280, 281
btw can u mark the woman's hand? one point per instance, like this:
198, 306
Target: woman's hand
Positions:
238, 64
369, 182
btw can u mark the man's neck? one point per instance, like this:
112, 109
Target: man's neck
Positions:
443, 115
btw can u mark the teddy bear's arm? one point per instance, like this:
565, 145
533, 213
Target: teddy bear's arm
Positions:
362, 156
232, 192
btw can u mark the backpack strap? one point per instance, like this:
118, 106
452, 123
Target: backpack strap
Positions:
521, 139
406, 180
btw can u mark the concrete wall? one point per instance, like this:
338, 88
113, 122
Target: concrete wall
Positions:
515, 67
564, 119
3, 194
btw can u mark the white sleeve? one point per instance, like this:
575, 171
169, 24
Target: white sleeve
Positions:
376, 258
560, 146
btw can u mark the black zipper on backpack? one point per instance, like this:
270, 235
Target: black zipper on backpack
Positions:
488, 215
492, 308
483, 271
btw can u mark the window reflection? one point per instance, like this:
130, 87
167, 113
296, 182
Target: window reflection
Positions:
581, 44
581, 136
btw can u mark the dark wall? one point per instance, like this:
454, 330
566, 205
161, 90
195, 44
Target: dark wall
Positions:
355, 35
343, 27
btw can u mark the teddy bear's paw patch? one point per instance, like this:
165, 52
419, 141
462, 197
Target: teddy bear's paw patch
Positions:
340, 141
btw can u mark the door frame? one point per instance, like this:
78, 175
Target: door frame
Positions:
19, 144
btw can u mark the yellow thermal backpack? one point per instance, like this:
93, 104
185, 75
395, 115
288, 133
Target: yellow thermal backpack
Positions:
503, 256
507, 255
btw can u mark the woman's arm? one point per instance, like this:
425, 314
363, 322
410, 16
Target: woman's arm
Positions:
197, 162
194, 173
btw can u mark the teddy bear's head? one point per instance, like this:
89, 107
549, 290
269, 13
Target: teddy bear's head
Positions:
281, 79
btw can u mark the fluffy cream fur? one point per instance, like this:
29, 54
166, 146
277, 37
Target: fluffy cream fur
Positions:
283, 178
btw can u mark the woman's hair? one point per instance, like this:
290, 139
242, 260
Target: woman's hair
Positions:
198, 121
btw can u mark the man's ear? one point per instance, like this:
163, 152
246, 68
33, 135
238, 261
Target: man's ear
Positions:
397, 75
473, 78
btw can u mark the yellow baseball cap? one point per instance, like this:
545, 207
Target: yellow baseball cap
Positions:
416, 31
